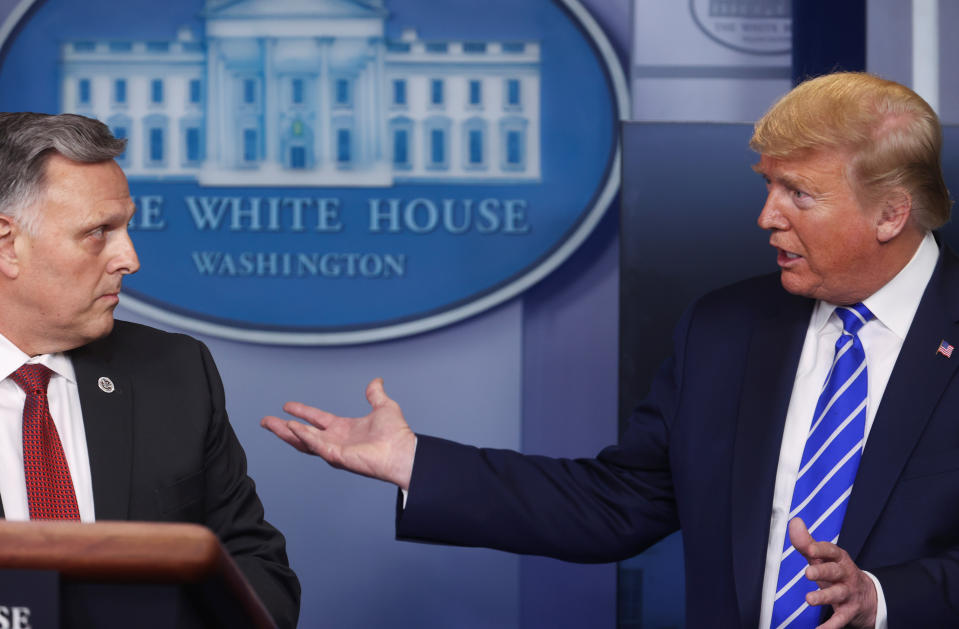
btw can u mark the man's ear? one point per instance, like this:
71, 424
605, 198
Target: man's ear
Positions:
894, 212
9, 260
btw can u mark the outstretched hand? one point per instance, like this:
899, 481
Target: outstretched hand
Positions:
379, 445
842, 584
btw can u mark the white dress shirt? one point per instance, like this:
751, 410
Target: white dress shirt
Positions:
64, 399
894, 306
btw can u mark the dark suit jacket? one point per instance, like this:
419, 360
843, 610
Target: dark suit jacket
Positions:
700, 454
161, 448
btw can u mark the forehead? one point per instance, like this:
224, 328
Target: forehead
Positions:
77, 191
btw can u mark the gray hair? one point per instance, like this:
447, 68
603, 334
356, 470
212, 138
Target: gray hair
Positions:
26, 142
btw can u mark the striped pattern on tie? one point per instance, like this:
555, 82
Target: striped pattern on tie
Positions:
828, 468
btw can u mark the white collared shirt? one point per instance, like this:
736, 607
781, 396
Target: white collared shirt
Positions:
894, 306
64, 399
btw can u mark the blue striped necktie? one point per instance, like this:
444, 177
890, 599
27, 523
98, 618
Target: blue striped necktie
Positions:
828, 468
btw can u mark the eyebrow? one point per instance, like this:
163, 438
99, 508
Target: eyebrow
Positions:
120, 215
788, 179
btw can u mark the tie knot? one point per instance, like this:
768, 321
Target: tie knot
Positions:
853, 317
32, 378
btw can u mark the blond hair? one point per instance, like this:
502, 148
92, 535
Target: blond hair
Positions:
893, 137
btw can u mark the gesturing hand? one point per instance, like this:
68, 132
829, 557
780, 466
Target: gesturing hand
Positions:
841, 583
379, 445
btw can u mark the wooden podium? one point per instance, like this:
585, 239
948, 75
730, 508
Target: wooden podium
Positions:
135, 574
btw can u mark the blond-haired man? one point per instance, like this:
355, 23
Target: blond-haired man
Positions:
805, 441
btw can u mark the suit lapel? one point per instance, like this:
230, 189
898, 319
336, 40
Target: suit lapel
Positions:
917, 382
773, 355
107, 422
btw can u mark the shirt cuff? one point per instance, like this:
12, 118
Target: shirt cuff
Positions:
406, 492
881, 612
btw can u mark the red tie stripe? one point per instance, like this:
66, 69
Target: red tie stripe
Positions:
50, 494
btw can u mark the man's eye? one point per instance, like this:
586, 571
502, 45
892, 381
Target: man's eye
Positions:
98, 232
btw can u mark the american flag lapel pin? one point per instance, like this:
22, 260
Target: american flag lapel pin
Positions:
945, 349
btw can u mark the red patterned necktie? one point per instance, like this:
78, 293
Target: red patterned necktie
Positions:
50, 494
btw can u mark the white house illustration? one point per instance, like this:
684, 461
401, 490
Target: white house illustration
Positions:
311, 93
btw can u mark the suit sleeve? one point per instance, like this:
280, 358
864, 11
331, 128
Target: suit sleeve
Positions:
234, 512
923, 592
585, 510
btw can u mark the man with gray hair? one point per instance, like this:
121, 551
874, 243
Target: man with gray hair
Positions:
119, 421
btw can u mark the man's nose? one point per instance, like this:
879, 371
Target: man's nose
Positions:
771, 217
125, 261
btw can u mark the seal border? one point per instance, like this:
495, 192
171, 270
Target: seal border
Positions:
496, 296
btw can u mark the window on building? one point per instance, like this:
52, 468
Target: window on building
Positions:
342, 92
474, 143
121, 133
156, 144
193, 144
298, 157
401, 134
399, 92
436, 91
513, 143
83, 91
401, 147
195, 94
156, 91
343, 146
155, 138
436, 140
437, 146
120, 126
120, 91
249, 91
297, 96
514, 148
476, 92
513, 93
249, 145
475, 147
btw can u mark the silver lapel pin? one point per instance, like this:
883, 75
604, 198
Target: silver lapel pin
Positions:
105, 384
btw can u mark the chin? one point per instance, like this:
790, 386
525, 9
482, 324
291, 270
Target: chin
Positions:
98, 331
797, 287
107, 327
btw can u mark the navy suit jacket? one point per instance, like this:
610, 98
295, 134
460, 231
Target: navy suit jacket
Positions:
700, 454
161, 449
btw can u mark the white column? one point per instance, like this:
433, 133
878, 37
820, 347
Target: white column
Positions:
214, 109
324, 109
379, 102
370, 123
271, 100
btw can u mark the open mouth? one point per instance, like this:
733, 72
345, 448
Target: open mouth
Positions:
786, 258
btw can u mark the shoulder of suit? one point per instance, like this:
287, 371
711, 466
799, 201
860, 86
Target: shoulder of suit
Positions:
129, 331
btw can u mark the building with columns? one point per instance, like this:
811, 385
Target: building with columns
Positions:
311, 93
